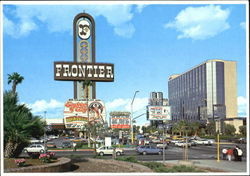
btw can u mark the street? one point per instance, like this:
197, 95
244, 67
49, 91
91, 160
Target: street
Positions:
172, 153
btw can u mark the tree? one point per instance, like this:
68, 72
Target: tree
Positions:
175, 129
15, 79
195, 126
19, 125
182, 125
210, 128
243, 130
229, 129
86, 85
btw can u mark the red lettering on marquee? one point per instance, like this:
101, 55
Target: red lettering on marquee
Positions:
76, 107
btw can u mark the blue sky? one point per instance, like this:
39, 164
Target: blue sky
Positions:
146, 43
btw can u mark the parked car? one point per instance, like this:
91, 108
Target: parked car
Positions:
162, 146
66, 144
51, 145
35, 141
53, 137
238, 140
175, 141
156, 140
183, 144
242, 141
107, 150
77, 139
203, 142
149, 150
192, 142
35, 148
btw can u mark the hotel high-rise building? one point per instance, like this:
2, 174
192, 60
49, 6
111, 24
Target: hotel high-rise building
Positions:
207, 91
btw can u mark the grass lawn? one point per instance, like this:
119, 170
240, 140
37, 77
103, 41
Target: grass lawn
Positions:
10, 162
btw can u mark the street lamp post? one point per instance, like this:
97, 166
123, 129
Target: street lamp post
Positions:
44, 135
131, 118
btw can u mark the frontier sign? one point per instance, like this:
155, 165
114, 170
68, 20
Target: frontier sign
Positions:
83, 71
84, 68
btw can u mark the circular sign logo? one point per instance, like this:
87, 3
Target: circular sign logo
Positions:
84, 29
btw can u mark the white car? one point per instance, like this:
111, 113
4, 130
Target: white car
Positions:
36, 148
106, 150
175, 141
203, 142
183, 144
162, 146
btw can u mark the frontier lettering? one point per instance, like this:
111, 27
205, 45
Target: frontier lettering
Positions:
83, 71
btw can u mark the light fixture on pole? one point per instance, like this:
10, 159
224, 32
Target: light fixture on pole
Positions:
131, 118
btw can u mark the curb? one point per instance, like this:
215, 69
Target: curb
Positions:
71, 150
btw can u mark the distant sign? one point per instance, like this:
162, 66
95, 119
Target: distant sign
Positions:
120, 122
119, 119
159, 113
77, 113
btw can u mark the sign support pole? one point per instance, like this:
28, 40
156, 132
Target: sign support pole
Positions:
218, 147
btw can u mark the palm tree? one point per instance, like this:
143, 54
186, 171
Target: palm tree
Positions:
86, 85
210, 128
195, 126
181, 126
175, 129
15, 79
19, 125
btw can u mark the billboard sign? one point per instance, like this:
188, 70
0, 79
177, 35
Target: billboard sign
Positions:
119, 119
78, 112
159, 113
120, 122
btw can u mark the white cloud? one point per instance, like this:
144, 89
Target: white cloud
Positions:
59, 18
126, 30
243, 25
125, 104
140, 7
116, 103
242, 106
42, 105
200, 23
20, 29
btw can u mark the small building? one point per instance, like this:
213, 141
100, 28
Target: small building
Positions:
57, 123
236, 122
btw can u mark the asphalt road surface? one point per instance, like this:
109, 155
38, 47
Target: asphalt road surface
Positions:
171, 153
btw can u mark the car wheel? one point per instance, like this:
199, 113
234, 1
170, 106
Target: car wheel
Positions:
42, 151
101, 153
160, 153
118, 153
144, 153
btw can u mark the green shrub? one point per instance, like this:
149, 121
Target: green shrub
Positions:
183, 168
128, 159
153, 165
159, 167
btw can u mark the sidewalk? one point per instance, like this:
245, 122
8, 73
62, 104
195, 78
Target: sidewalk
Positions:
227, 166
